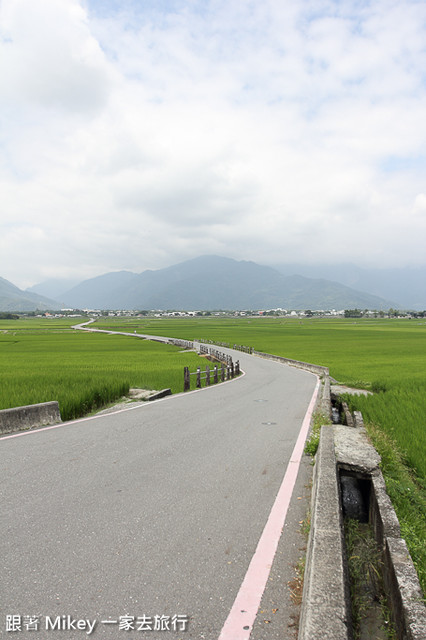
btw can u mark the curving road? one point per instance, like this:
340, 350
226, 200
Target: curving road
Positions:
171, 509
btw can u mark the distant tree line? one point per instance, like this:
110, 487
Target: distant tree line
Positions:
353, 313
391, 313
8, 316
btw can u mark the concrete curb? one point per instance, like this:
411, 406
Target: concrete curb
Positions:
404, 588
29, 416
324, 612
159, 394
314, 368
324, 403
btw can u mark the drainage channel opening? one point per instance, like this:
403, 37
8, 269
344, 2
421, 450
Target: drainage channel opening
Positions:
369, 611
335, 412
340, 412
355, 492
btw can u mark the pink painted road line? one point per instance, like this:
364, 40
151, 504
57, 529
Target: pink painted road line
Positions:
239, 624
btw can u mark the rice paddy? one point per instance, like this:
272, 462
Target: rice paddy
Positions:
46, 360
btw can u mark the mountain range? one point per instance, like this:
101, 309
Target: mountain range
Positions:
406, 285
204, 283
14, 299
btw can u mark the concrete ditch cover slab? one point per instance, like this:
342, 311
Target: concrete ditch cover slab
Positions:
353, 449
338, 389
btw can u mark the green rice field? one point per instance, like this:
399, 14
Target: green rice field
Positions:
43, 360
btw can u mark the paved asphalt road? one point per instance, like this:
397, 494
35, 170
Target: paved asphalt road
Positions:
153, 511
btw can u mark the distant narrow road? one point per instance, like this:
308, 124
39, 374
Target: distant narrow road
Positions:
152, 511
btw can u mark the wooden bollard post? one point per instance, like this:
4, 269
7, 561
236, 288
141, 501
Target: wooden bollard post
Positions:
198, 383
237, 368
232, 369
223, 372
186, 379
215, 374
207, 375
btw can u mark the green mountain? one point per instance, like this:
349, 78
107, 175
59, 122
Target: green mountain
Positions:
14, 299
213, 282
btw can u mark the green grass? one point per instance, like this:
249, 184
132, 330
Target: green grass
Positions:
312, 443
82, 371
401, 411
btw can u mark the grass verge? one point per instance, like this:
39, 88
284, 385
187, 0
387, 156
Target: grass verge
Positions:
312, 442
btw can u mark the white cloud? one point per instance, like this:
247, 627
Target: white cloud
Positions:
137, 137
49, 57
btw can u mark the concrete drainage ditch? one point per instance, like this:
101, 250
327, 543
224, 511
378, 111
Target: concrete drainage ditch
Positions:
349, 495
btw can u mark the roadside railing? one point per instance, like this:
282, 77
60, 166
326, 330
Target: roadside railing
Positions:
225, 370
184, 344
228, 345
215, 353
242, 347
215, 342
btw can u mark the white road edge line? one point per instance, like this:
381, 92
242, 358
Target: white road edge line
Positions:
69, 423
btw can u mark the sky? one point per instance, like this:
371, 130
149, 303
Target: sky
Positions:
136, 134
